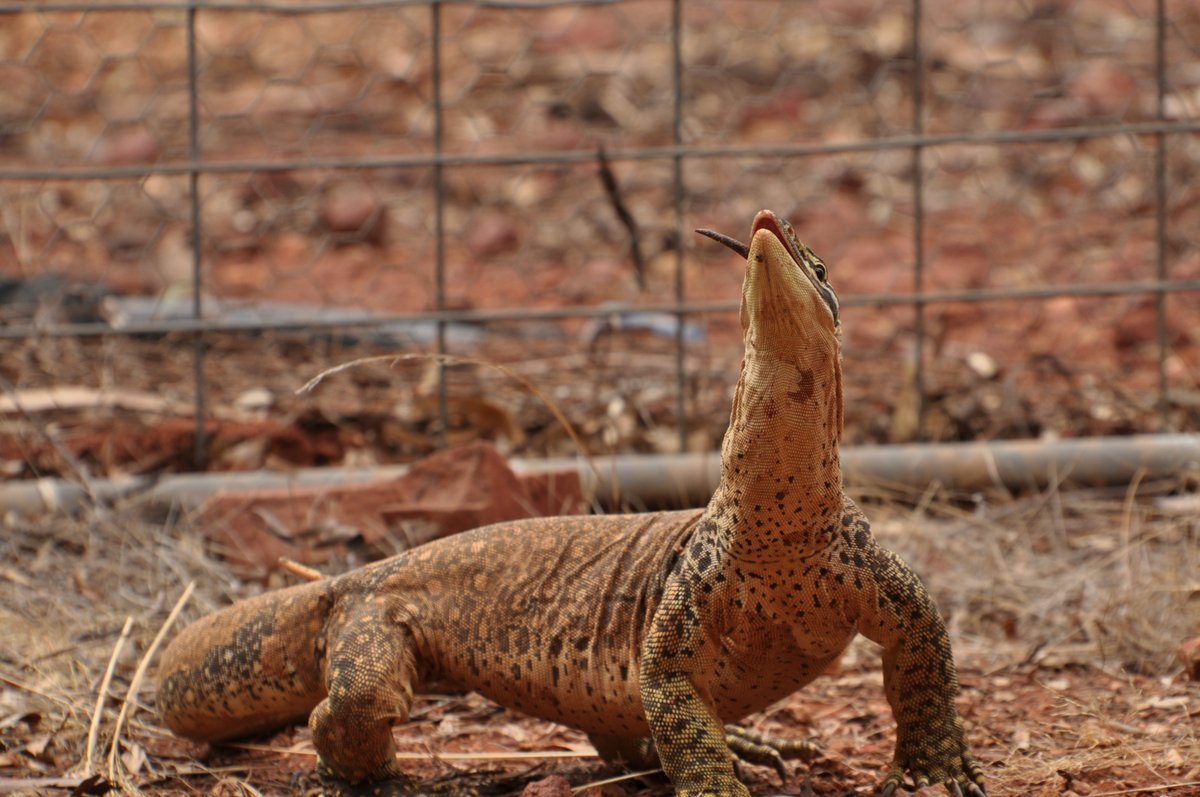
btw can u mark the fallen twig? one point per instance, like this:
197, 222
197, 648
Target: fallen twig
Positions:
37, 785
615, 779
412, 755
101, 693
614, 196
1142, 789
136, 683
77, 468
302, 571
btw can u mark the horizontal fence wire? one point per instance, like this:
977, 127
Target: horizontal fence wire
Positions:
613, 310
291, 7
565, 157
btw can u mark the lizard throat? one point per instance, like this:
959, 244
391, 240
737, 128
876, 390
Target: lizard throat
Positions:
780, 492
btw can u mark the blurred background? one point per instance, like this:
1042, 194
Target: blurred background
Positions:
203, 205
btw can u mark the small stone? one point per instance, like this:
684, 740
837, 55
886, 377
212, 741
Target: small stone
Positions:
1104, 87
982, 364
128, 147
352, 210
256, 400
492, 235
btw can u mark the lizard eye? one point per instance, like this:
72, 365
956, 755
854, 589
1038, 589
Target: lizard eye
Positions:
819, 270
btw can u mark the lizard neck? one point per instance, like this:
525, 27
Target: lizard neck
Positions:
780, 493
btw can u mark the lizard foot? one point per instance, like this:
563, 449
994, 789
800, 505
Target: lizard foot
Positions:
768, 751
963, 779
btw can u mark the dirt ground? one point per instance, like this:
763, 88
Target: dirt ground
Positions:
1066, 611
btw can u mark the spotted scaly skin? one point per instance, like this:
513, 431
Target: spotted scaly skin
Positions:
649, 632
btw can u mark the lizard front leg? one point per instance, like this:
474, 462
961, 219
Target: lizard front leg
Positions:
688, 734
920, 682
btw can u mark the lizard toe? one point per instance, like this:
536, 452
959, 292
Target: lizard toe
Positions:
963, 784
768, 751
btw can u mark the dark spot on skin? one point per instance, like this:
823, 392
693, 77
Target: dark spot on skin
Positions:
804, 387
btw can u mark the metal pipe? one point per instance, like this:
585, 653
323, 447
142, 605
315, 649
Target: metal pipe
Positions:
687, 480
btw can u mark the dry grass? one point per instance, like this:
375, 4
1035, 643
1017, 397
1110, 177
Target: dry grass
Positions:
1066, 609
1065, 577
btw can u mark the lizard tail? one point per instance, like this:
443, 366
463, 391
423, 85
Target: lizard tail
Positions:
252, 667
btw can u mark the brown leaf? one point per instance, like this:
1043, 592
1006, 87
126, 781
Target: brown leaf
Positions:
134, 758
36, 746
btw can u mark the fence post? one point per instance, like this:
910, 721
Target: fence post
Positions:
200, 442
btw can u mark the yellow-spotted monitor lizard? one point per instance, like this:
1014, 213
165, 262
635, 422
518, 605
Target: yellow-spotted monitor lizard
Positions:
649, 632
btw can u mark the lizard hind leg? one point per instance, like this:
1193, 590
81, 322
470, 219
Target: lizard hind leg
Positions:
369, 679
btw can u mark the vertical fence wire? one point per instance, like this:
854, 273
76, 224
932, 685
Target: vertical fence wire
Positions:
918, 226
200, 443
677, 186
1160, 209
439, 213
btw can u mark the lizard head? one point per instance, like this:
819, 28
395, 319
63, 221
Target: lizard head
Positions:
791, 371
787, 300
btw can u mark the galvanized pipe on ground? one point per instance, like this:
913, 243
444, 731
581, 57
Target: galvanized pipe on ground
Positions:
683, 480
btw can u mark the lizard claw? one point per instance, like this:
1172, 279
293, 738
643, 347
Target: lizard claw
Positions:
960, 774
757, 748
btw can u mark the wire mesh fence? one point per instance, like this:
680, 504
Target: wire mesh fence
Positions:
208, 202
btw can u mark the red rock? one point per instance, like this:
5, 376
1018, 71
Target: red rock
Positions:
128, 147
446, 493
1137, 326
1104, 88
555, 493
456, 490
353, 210
492, 235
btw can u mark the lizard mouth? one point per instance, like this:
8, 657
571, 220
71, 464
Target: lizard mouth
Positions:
803, 260
764, 220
